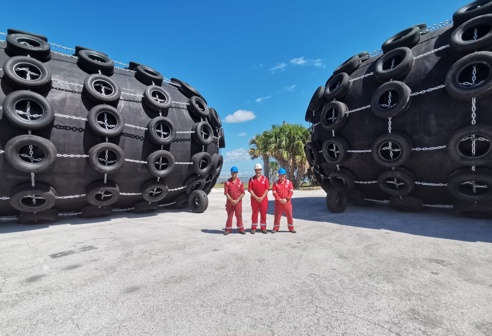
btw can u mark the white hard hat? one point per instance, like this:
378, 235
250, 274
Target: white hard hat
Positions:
258, 166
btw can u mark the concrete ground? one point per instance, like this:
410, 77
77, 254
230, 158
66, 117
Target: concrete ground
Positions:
367, 271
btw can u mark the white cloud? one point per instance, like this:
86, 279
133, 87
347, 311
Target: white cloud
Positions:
290, 88
241, 134
240, 154
257, 66
298, 61
307, 62
262, 99
280, 66
240, 116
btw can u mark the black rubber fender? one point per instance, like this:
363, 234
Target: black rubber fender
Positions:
157, 98
161, 163
41, 217
194, 182
102, 194
335, 149
145, 207
146, 74
342, 178
198, 107
27, 73
28, 110
92, 211
390, 99
397, 182
334, 115
198, 201
214, 118
480, 209
392, 149
349, 66
406, 38
161, 131
95, 62
217, 163
406, 203
26, 198
337, 86
394, 65
315, 104
28, 45
471, 145
202, 163
221, 137
203, 133
473, 35
459, 79
471, 10
336, 200
313, 153
101, 89
471, 186
186, 89
105, 121
154, 191
110, 164
30, 153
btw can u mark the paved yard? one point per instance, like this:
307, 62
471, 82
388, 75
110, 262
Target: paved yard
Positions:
363, 272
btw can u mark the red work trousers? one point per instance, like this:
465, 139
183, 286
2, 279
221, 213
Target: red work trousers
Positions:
236, 210
259, 208
279, 209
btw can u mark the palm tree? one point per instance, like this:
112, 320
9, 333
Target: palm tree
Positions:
261, 149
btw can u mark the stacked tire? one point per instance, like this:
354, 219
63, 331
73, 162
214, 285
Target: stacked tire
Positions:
79, 136
410, 126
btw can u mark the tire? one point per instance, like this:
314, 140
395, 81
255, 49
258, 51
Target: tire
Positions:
42, 217
217, 163
105, 121
94, 62
153, 191
161, 131
102, 194
394, 65
349, 66
473, 9
481, 209
406, 203
27, 198
114, 161
28, 110
186, 89
336, 200
160, 163
145, 207
471, 146
101, 89
146, 75
194, 182
313, 153
406, 38
398, 182
30, 153
390, 100
392, 150
210, 182
203, 133
27, 73
471, 186
156, 98
198, 107
198, 201
28, 45
335, 150
461, 73
92, 211
202, 163
315, 104
17, 31
463, 40
334, 115
221, 137
214, 118
337, 86
343, 179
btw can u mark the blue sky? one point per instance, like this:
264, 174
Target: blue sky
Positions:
256, 62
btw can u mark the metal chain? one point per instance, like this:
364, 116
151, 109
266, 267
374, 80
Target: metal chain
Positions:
68, 214
130, 194
122, 210
365, 182
137, 127
474, 111
418, 149
389, 123
184, 132
432, 51
377, 201
440, 206
33, 183
8, 219
69, 117
4, 198
167, 204
359, 109
136, 161
72, 155
427, 184
179, 188
183, 163
359, 151
71, 196
428, 90
361, 77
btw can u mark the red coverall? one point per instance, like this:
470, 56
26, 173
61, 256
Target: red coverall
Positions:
283, 190
259, 186
234, 189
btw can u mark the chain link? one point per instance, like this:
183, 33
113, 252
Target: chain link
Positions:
137, 127
418, 149
365, 182
474, 111
8, 219
361, 77
427, 90
136, 161
440, 206
377, 201
389, 123
69, 214
73, 155
33, 183
122, 210
359, 109
71, 196
432, 51
130, 194
167, 204
427, 184
179, 188
4, 198
359, 151
184, 132
69, 117
183, 163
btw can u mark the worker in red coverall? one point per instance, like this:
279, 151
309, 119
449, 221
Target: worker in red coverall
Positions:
234, 191
258, 187
282, 191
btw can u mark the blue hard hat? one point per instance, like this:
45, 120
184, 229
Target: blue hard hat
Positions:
234, 169
282, 171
